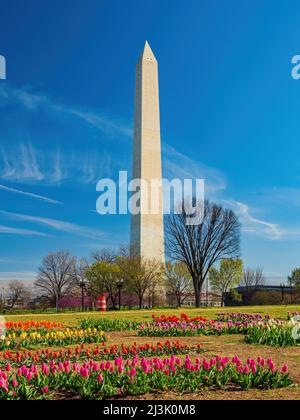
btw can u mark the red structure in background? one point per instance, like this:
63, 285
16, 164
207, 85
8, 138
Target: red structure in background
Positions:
101, 304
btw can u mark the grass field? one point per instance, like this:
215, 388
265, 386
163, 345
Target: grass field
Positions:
71, 318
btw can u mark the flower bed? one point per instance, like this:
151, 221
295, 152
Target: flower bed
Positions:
275, 333
182, 318
95, 380
83, 353
55, 337
32, 325
109, 325
239, 316
190, 329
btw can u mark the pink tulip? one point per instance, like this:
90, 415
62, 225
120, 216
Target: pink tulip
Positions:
14, 383
84, 372
95, 367
246, 370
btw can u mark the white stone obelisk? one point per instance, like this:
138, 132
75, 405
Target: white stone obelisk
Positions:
147, 230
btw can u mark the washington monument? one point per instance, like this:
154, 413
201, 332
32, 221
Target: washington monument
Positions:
147, 230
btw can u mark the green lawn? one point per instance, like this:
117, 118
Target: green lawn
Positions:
71, 318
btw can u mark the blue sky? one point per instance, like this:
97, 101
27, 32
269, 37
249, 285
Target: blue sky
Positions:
229, 110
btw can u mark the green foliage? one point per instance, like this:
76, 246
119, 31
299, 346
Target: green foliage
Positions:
102, 278
235, 296
141, 275
274, 334
228, 276
109, 325
294, 278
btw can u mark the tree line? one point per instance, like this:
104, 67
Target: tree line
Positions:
196, 254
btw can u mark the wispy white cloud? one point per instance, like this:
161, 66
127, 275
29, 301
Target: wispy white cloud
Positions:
253, 225
178, 165
25, 276
21, 164
29, 194
28, 165
102, 123
7, 230
57, 225
25, 163
32, 101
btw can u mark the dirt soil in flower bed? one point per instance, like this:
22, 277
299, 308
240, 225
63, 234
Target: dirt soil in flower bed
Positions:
228, 345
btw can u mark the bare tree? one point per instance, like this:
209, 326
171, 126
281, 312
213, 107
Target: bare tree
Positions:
56, 275
139, 273
179, 281
251, 282
201, 246
17, 292
104, 255
153, 296
2, 299
80, 270
103, 274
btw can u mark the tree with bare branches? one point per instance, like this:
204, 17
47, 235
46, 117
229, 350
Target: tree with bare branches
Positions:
179, 281
200, 246
251, 281
17, 293
104, 255
139, 274
56, 275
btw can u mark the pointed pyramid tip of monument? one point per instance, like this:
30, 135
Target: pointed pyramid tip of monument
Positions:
147, 52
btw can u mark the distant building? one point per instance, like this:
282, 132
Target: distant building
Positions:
262, 295
266, 288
